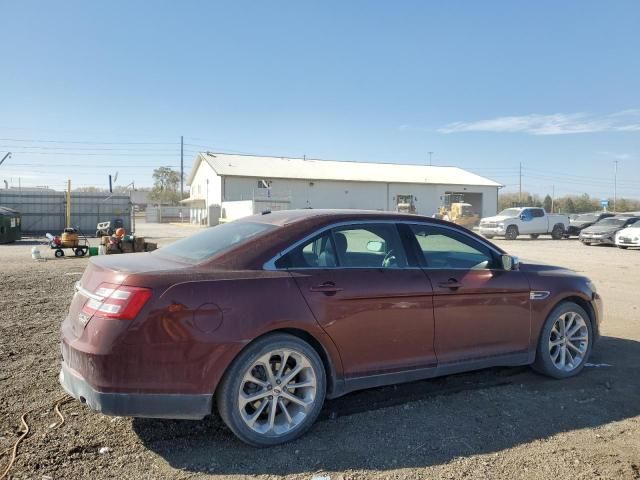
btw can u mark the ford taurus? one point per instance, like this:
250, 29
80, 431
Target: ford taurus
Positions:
263, 318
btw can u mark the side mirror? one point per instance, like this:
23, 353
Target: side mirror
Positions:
509, 262
375, 246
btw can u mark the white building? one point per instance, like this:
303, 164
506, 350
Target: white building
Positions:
233, 186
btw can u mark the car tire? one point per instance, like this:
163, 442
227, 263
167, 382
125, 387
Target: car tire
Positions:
557, 232
534, 236
511, 233
623, 247
252, 421
488, 236
557, 345
59, 253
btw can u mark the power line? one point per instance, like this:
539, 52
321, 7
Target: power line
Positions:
84, 142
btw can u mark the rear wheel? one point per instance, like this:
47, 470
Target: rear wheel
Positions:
273, 392
511, 233
565, 342
558, 232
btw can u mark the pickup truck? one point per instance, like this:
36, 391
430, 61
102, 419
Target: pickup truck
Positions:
531, 221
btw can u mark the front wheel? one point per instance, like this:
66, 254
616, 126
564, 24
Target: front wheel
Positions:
273, 392
511, 233
565, 342
59, 253
558, 232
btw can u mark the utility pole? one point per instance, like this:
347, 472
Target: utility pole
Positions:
181, 167
615, 184
430, 154
553, 197
520, 192
69, 203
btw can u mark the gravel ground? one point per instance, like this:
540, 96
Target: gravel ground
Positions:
498, 423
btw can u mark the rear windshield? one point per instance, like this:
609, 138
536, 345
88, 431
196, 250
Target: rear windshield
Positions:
586, 217
612, 221
204, 245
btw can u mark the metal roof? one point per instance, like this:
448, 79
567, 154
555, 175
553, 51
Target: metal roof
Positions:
235, 165
8, 212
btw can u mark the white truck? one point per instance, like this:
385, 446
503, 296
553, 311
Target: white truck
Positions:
531, 221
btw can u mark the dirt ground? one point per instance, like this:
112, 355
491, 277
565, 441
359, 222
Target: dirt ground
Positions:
497, 423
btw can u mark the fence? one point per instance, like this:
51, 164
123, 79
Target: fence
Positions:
43, 212
162, 214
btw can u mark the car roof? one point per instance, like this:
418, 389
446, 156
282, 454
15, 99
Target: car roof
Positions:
288, 217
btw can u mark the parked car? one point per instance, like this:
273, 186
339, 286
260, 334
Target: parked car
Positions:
604, 231
628, 236
264, 317
533, 221
579, 222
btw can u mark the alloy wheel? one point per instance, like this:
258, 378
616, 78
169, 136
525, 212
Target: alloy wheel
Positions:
277, 392
568, 341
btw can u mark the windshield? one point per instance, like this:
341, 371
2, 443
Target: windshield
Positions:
585, 217
614, 222
509, 212
201, 246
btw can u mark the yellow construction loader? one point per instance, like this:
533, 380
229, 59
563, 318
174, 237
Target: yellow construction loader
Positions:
461, 214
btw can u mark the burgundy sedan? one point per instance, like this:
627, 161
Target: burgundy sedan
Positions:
265, 317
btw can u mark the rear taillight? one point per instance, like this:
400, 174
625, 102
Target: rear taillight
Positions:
117, 301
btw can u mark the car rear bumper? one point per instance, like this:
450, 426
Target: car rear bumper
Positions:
597, 240
151, 405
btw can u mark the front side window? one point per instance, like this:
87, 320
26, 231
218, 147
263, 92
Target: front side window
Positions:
442, 248
361, 246
538, 212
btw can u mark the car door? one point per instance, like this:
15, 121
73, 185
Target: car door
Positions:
526, 224
481, 310
376, 308
540, 222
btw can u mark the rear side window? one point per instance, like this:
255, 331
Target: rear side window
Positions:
201, 246
316, 253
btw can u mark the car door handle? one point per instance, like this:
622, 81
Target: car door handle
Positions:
328, 288
452, 283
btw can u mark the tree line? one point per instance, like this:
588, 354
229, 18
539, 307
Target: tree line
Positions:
566, 204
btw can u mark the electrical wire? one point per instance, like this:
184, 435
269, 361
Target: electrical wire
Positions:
25, 431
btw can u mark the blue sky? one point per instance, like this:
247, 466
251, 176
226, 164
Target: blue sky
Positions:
90, 88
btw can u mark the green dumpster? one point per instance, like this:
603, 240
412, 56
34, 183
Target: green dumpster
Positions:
9, 225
